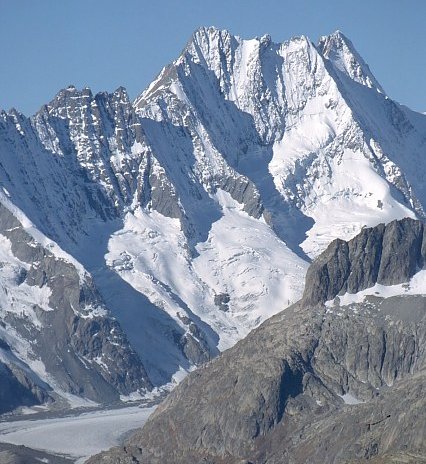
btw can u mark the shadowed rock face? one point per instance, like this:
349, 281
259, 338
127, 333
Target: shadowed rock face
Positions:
12, 454
83, 350
386, 255
275, 125
18, 389
312, 384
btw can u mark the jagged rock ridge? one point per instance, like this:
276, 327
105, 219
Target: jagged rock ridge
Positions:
240, 161
386, 254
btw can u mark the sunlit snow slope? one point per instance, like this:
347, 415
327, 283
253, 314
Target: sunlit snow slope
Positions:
197, 207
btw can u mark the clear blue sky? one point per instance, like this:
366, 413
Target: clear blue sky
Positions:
46, 45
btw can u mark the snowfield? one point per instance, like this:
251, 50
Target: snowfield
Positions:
197, 207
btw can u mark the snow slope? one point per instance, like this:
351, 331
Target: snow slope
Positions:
197, 207
416, 286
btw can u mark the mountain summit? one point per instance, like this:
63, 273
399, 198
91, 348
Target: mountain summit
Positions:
195, 210
339, 51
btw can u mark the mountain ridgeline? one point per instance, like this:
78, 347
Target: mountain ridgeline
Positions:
387, 254
139, 239
315, 383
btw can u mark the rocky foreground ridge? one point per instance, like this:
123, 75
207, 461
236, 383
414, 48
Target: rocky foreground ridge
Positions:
194, 210
319, 382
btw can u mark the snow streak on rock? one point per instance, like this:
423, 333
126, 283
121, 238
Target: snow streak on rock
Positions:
197, 207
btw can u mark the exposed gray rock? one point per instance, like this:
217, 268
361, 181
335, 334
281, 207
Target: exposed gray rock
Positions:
221, 300
195, 347
12, 454
16, 389
312, 384
387, 255
275, 397
393, 424
402, 457
193, 342
82, 348
245, 192
401, 251
163, 195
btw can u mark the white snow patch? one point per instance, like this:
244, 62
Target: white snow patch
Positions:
245, 259
352, 197
350, 399
416, 286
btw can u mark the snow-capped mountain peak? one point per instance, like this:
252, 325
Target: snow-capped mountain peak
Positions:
197, 206
340, 51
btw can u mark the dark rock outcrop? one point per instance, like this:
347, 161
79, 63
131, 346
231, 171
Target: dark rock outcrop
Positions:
221, 300
244, 191
386, 255
18, 389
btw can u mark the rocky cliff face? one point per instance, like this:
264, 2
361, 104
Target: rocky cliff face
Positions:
313, 384
387, 254
57, 338
242, 161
